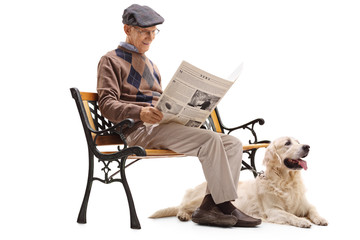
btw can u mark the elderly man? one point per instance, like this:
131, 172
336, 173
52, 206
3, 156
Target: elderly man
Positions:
129, 86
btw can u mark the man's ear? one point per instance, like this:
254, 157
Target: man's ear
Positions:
127, 29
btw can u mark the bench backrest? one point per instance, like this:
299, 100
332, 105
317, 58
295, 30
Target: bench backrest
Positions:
87, 103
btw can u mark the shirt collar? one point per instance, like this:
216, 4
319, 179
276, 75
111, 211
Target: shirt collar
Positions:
128, 46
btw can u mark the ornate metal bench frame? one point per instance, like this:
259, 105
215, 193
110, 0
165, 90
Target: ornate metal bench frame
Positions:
100, 132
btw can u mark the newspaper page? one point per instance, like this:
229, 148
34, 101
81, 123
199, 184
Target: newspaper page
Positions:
192, 94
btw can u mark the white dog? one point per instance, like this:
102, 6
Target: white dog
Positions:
277, 196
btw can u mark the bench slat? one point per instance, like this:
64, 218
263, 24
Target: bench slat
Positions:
255, 146
162, 153
89, 96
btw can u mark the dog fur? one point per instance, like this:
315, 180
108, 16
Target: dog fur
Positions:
277, 196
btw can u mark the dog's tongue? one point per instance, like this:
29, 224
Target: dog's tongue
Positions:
303, 164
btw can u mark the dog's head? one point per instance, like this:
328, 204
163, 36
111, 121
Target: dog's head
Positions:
286, 152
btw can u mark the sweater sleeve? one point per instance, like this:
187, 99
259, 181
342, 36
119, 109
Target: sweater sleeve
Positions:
109, 82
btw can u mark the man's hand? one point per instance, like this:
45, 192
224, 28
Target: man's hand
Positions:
150, 115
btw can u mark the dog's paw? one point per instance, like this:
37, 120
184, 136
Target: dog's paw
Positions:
303, 223
183, 216
320, 221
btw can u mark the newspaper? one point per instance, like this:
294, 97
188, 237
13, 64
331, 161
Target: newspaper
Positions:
192, 94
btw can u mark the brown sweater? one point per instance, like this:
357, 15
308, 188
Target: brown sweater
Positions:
127, 81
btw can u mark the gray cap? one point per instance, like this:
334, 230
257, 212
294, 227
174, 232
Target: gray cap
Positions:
141, 16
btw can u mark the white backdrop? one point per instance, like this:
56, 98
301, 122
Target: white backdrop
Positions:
301, 68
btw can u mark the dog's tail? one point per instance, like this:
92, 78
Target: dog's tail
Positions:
167, 212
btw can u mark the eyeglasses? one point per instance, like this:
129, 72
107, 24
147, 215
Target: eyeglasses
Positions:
146, 32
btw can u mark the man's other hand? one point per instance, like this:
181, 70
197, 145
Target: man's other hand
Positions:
150, 115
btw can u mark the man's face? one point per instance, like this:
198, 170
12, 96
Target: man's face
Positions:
141, 38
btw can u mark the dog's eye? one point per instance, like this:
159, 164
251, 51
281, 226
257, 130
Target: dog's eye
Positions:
288, 143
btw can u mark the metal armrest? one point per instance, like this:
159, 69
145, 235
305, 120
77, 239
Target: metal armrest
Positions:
250, 127
116, 128
124, 150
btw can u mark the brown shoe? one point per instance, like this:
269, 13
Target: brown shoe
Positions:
244, 220
213, 217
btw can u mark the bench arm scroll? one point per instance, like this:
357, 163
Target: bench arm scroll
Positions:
249, 126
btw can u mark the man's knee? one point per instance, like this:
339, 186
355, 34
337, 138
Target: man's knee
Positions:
232, 142
228, 141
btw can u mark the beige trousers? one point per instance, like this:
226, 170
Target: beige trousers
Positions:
219, 154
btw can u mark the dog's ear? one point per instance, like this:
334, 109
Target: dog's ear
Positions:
269, 154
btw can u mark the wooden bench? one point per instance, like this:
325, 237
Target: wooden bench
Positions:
101, 132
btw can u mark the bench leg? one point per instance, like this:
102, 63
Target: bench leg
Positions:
83, 209
134, 221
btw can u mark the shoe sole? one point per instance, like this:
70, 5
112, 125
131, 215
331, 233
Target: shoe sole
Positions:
247, 224
208, 220
215, 222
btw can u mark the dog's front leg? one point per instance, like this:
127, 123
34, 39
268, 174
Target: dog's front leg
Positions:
191, 201
282, 217
316, 218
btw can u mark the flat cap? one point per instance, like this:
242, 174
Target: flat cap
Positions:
141, 16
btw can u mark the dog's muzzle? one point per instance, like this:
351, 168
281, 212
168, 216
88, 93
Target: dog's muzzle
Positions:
297, 164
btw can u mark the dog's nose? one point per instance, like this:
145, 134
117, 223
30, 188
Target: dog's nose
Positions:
306, 148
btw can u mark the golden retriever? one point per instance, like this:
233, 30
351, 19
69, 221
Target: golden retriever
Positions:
277, 196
